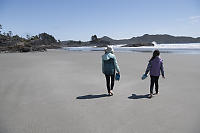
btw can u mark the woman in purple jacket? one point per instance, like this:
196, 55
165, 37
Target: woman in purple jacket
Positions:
155, 65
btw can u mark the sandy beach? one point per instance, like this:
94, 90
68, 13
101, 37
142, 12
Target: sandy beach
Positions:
64, 92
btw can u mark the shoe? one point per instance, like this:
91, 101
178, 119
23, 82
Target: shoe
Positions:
150, 96
156, 93
111, 92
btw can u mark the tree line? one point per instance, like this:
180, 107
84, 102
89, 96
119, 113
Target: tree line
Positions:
15, 43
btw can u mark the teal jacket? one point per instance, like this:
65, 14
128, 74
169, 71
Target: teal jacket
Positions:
109, 64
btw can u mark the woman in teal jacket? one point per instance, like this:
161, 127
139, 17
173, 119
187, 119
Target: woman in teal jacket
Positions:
109, 65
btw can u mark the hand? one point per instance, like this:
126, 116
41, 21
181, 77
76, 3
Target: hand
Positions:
144, 76
119, 73
163, 77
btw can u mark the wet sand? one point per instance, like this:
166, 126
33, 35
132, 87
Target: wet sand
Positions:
65, 92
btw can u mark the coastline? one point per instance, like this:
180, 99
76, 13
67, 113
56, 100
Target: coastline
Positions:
191, 48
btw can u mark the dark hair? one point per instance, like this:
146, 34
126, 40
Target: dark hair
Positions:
155, 53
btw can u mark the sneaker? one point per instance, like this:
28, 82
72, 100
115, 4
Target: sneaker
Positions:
111, 92
150, 95
156, 93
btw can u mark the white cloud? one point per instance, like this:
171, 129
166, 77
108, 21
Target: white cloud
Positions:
194, 19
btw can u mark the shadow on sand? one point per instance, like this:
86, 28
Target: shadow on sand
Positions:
92, 96
134, 96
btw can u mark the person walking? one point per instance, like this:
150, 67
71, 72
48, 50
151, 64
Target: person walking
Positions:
155, 65
109, 65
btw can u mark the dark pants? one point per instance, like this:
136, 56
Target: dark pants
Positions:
154, 80
110, 85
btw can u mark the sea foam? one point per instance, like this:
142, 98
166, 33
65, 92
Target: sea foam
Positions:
189, 48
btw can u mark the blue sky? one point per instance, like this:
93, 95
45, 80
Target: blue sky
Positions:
118, 19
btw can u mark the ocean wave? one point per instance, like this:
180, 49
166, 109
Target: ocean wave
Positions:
190, 48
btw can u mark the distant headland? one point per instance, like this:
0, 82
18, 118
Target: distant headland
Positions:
145, 40
43, 41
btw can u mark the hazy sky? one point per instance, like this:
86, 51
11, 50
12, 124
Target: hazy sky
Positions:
118, 19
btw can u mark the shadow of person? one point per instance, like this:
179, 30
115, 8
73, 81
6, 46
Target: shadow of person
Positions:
135, 96
92, 96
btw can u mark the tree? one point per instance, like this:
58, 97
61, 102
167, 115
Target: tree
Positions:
28, 36
7, 34
17, 38
10, 33
35, 37
59, 42
0, 28
94, 38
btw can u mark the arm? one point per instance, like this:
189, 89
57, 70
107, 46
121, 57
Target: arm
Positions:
148, 68
102, 66
162, 69
116, 65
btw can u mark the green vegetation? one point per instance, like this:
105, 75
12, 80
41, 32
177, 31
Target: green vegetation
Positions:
10, 43
0, 28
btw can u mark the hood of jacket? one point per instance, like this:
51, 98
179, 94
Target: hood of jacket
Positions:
108, 56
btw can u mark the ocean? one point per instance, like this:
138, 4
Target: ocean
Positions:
189, 48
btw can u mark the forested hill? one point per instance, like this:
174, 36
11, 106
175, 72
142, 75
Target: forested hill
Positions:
161, 39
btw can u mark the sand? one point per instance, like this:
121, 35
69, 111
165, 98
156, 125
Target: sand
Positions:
64, 92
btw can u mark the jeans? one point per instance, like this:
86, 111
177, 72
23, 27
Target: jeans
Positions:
154, 80
110, 85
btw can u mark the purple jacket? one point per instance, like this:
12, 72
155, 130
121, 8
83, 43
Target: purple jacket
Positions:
155, 66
